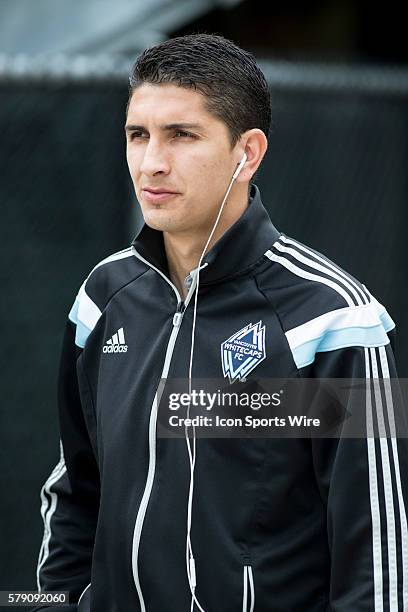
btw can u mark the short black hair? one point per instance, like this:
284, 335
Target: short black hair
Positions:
233, 85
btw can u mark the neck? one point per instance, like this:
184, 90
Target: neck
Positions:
183, 250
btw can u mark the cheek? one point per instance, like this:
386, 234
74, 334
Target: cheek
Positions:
208, 172
133, 161
214, 176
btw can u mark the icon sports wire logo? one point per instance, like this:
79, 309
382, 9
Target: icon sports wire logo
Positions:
116, 344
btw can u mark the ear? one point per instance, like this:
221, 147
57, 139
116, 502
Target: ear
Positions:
254, 144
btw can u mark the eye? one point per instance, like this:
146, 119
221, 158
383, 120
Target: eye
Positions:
137, 134
184, 134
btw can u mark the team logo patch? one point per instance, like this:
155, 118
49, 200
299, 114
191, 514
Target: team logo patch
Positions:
243, 351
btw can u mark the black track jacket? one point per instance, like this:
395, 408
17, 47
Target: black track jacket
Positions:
300, 525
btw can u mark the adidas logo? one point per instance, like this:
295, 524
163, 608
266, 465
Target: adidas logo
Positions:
116, 344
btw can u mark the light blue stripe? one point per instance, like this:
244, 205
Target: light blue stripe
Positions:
73, 313
387, 322
304, 354
82, 333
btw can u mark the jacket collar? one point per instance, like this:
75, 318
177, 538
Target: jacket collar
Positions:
238, 249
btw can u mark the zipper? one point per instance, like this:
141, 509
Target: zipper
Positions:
248, 579
177, 319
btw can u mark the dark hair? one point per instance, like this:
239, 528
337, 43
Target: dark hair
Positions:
234, 87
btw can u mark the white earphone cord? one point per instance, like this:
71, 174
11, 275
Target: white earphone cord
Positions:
190, 562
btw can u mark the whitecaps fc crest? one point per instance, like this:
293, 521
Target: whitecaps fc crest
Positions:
243, 351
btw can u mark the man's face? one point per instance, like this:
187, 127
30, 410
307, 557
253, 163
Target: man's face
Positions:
175, 145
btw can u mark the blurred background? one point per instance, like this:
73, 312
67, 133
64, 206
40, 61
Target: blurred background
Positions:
335, 177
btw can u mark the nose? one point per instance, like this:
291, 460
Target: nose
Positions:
154, 160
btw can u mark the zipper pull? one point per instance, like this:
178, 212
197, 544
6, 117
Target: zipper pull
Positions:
178, 315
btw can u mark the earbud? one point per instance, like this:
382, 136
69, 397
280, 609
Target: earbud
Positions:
240, 166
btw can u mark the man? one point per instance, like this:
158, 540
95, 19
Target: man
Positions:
135, 521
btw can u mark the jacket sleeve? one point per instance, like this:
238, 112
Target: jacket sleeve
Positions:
364, 484
70, 496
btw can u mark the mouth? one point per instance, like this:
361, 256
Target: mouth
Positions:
157, 195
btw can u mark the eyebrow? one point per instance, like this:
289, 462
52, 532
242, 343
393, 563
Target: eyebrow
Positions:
169, 126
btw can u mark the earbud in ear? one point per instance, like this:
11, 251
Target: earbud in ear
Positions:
240, 166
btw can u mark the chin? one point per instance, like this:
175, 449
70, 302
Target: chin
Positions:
160, 220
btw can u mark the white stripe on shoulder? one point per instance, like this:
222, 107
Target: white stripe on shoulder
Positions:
322, 268
309, 275
84, 312
382, 312
340, 328
114, 257
88, 311
85, 315
341, 318
328, 265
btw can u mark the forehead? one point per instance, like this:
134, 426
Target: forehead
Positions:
166, 102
